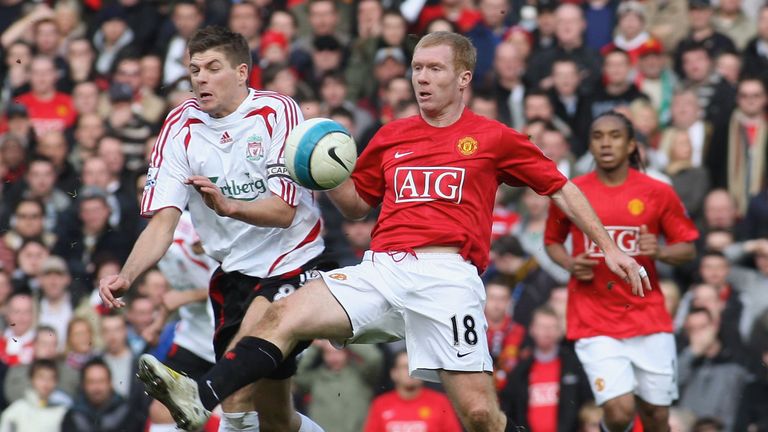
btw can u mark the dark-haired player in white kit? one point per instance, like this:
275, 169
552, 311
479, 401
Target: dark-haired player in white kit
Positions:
435, 176
221, 154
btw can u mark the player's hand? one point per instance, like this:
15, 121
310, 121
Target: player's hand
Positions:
582, 268
110, 288
212, 196
648, 243
628, 270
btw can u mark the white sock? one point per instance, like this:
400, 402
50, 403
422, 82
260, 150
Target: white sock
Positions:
239, 422
307, 425
163, 427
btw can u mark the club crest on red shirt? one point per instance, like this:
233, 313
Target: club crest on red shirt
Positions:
636, 207
467, 146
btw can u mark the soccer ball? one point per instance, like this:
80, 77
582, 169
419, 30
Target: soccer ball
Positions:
320, 154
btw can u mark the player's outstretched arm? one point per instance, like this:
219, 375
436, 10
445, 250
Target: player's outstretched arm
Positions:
267, 212
151, 245
348, 201
575, 205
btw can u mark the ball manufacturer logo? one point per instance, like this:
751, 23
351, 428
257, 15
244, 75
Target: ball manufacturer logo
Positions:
599, 384
467, 146
636, 207
338, 276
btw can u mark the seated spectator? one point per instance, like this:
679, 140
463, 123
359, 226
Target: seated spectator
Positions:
125, 124
410, 406
340, 383
39, 184
26, 223
333, 93
755, 58
488, 33
80, 343
123, 207
728, 65
17, 342
12, 153
571, 104
752, 414
89, 129
121, 361
631, 33
618, 89
655, 77
757, 214
721, 213
36, 411
49, 109
671, 292
729, 19
53, 146
702, 31
700, 76
17, 379
85, 98
29, 262
556, 147
98, 408
546, 391
140, 314
505, 336
710, 379
57, 297
691, 183
752, 283
688, 117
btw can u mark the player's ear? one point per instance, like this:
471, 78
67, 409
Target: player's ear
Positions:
465, 78
242, 74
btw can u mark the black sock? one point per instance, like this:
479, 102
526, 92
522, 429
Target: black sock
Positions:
250, 360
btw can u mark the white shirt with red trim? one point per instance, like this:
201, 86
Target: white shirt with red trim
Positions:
242, 154
186, 270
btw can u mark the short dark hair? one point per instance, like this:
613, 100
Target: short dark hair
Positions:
34, 201
695, 47
714, 253
40, 364
342, 112
94, 362
232, 45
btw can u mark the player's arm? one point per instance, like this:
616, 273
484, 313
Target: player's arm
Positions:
273, 211
348, 201
151, 245
573, 203
673, 254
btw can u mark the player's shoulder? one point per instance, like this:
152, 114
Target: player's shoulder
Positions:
399, 126
187, 109
650, 183
585, 179
275, 100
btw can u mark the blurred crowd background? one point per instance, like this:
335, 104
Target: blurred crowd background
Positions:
85, 86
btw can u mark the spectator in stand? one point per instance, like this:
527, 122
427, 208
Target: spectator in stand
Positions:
721, 213
13, 156
544, 33
538, 106
81, 58
121, 361
702, 32
655, 78
17, 379
127, 70
507, 84
80, 343
691, 183
54, 147
49, 110
17, 342
410, 406
126, 125
333, 93
728, 65
325, 19
340, 383
632, 34
699, 75
546, 390
487, 34
688, 117
506, 337
37, 411
757, 214
29, 262
98, 408
752, 414
570, 26
186, 16
554, 145
751, 283
570, 103
459, 13
123, 208
26, 223
85, 97
742, 147
90, 128
139, 316
15, 79
730, 20
755, 56
709, 377
618, 89
57, 296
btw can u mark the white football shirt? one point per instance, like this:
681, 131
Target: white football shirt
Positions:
186, 270
242, 154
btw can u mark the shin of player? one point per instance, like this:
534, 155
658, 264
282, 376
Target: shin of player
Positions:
625, 342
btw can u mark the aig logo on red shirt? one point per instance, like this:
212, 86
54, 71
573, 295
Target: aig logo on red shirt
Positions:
422, 184
625, 237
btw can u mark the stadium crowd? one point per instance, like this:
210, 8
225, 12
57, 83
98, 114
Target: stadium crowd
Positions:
85, 86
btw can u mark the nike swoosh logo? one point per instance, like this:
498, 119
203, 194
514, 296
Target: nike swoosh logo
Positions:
334, 156
460, 355
398, 155
208, 382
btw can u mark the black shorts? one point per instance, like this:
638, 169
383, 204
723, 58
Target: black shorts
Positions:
185, 361
232, 293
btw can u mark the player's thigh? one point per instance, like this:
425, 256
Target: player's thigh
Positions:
310, 313
608, 367
445, 322
273, 400
253, 315
471, 393
655, 362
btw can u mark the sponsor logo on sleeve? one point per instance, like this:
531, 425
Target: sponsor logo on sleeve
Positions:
151, 178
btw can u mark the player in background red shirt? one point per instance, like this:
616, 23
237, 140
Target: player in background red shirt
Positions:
410, 406
623, 339
435, 177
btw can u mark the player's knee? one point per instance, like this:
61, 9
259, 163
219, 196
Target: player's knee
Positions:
479, 416
618, 414
658, 415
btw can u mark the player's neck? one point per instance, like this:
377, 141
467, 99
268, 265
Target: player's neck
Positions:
447, 117
232, 107
615, 177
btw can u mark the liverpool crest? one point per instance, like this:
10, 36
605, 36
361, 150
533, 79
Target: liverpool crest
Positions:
255, 150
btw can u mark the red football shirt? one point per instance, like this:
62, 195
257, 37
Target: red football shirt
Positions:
605, 306
56, 114
430, 411
437, 185
544, 395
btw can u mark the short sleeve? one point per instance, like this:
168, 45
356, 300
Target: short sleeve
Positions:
168, 169
676, 225
521, 163
369, 175
286, 116
557, 227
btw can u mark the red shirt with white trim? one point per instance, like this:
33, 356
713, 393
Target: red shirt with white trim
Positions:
242, 154
606, 306
436, 185
55, 115
430, 411
544, 395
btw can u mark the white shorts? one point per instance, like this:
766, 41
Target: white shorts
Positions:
434, 300
643, 365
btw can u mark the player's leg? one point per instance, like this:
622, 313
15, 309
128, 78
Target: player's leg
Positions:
655, 361
474, 398
608, 365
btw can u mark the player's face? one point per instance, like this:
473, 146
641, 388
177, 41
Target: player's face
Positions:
609, 143
436, 82
218, 85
